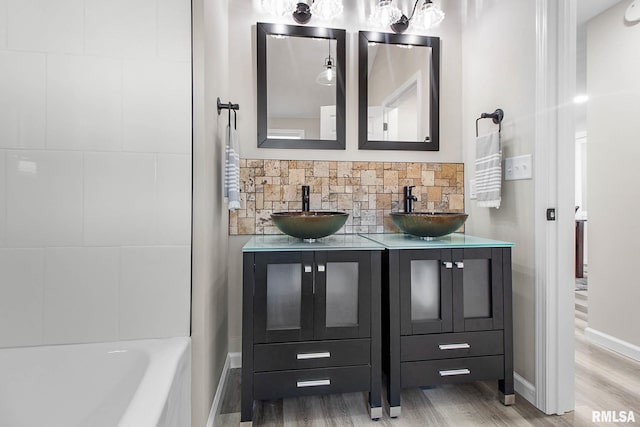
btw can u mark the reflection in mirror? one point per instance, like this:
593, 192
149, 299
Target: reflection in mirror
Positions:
301, 101
398, 108
301, 83
400, 76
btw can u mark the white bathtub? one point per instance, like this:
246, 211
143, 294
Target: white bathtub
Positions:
125, 384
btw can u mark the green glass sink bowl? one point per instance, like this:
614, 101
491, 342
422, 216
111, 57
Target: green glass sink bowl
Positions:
428, 224
309, 225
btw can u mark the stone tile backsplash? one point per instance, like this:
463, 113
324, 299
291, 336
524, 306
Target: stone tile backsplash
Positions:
368, 191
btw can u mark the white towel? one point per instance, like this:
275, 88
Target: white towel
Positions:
232, 169
488, 170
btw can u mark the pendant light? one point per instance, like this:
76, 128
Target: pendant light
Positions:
328, 75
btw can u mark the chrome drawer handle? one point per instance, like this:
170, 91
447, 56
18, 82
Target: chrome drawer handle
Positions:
307, 269
453, 346
447, 264
314, 383
304, 356
453, 372
320, 268
459, 264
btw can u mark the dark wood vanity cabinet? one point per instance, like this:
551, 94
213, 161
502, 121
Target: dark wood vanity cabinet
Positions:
447, 318
311, 325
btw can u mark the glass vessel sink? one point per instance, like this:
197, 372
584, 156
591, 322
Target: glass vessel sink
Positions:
309, 225
428, 224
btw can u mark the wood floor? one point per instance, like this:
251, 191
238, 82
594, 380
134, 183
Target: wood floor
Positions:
604, 381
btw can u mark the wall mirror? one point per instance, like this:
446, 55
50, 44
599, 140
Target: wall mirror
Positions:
301, 87
399, 85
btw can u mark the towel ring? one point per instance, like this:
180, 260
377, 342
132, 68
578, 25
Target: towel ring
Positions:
497, 117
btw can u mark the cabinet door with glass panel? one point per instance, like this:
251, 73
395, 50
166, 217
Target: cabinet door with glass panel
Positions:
302, 296
342, 295
425, 291
477, 289
450, 290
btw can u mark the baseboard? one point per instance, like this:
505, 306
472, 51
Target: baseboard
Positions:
219, 390
612, 343
524, 388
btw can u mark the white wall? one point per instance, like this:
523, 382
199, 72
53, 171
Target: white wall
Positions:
95, 170
498, 45
209, 290
613, 67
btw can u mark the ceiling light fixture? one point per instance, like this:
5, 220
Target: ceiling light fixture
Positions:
328, 76
428, 15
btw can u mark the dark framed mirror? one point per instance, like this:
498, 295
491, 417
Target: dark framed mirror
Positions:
301, 87
399, 89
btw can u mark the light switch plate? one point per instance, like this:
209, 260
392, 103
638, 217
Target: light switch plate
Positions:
472, 189
517, 168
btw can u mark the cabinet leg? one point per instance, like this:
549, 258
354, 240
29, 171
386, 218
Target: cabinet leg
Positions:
376, 413
507, 399
375, 403
507, 392
393, 393
246, 415
394, 411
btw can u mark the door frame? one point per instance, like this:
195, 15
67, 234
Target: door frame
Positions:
554, 171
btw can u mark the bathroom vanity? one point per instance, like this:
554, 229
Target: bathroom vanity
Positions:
446, 312
311, 319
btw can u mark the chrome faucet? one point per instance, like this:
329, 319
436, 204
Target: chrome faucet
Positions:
305, 198
408, 198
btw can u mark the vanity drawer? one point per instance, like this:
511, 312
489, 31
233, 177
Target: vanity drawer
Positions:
311, 354
446, 346
451, 371
305, 382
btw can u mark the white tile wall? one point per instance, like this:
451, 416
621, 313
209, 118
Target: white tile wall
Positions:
157, 112
21, 289
22, 99
84, 103
174, 37
46, 26
173, 208
153, 299
3, 199
44, 198
119, 199
81, 295
121, 28
3, 24
95, 170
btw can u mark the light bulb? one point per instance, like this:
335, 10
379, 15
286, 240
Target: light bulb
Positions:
328, 76
384, 14
427, 16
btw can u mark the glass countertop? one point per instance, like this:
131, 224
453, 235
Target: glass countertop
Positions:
454, 240
335, 242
